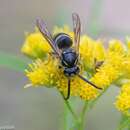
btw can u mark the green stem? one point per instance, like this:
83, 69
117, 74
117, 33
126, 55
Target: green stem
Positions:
82, 116
123, 125
70, 123
71, 110
87, 106
124, 122
79, 121
84, 109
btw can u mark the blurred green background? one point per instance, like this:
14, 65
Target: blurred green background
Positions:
42, 108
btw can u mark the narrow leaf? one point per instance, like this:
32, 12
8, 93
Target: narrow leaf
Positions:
12, 62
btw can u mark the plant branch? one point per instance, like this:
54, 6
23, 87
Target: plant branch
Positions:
70, 109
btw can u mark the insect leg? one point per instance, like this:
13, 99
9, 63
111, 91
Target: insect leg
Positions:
68, 91
86, 80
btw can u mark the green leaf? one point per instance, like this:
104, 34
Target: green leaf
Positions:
12, 62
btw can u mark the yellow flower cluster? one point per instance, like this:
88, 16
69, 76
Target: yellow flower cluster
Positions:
91, 50
112, 67
123, 100
47, 73
64, 29
104, 65
42, 73
78, 87
35, 45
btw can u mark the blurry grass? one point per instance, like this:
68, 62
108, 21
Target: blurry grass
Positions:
12, 62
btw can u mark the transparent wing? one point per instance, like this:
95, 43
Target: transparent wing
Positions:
77, 30
47, 35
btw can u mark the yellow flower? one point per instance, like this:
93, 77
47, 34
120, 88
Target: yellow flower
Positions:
123, 99
86, 51
127, 67
116, 46
128, 43
35, 45
47, 73
42, 73
87, 92
64, 29
91, 50
99, 51
112, 67
105, 76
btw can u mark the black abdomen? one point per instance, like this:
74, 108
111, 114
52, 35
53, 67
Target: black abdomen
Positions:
63, 41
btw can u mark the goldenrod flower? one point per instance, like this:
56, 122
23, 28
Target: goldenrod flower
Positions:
127, 67
128, 43
64, 29
123, 100
91, 50
45, 70
35, 45
116, 46
42, 73
47, 73
112, 67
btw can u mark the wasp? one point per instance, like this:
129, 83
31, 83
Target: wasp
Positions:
61, 45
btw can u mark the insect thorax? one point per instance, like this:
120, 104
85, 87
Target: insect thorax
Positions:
69, 58
69, 62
